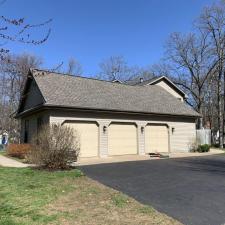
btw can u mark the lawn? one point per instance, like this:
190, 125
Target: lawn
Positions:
29, 196
2, 152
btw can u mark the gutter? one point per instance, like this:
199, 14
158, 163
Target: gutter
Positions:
51, 106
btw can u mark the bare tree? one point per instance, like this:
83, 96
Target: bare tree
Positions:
210, 107
115, 68
74, 67
19, 30
196, 62
139, 74
161, 69
13, 69
212, 22
190, 56
13, 73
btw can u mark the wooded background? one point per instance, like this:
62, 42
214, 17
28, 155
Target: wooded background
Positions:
193, 61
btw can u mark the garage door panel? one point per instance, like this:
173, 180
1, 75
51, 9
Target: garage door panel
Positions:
156, 138
88, 136
122, 139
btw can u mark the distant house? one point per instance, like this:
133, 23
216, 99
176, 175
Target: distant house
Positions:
112, 118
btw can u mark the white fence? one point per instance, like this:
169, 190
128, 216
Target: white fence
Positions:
203, 136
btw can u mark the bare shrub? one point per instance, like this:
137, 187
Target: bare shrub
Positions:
18, 150
55, 147
193, 145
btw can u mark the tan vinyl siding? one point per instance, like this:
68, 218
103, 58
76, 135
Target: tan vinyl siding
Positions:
103, 139
141, 138
170, 90
184, 134
179, 141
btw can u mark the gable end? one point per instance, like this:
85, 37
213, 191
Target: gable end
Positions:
169, 86
31, 96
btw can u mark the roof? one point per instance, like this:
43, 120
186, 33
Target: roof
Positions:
116, 81
86, 93
155, 80
149, 81
137, 80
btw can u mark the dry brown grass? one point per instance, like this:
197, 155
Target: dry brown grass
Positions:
92, 203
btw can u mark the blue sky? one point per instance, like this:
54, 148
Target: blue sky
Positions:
92, 30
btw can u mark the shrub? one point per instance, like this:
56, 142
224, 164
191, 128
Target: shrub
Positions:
203, 148
192, 145
55, 147
217, 145
18, 150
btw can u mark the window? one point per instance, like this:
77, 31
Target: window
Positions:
39, 123
26, 131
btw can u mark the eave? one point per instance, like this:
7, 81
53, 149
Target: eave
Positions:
83, 109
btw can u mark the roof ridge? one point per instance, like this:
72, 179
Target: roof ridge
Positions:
81, 77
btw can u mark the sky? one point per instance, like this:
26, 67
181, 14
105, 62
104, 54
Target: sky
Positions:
93, 30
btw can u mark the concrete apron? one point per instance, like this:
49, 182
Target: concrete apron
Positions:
127, 158
111, 159
213, 151
8, 162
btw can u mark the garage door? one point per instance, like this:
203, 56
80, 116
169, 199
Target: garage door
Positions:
156, 139
88, 134
122, 139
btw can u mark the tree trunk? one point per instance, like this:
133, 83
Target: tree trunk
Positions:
220, 110
200, 110
200, 123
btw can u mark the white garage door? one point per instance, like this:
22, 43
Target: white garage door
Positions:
122, 139
156, 139
88, 134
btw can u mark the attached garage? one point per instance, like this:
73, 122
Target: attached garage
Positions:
156, 138
122, 139
111, 118
88, 135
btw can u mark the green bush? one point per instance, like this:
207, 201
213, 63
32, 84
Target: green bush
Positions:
216, 145
203, 148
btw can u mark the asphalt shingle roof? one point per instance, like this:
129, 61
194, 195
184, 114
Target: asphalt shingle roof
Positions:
79, 92
137, 81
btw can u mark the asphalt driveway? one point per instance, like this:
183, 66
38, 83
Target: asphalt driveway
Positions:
191, 190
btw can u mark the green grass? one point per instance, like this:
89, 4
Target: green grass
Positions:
35, 197
24, 192
2, 152
120, 200
146, 210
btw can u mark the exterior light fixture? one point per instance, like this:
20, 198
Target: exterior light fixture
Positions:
142, 130
104, 129
173, 129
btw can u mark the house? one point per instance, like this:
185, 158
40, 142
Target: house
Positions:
112, 118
